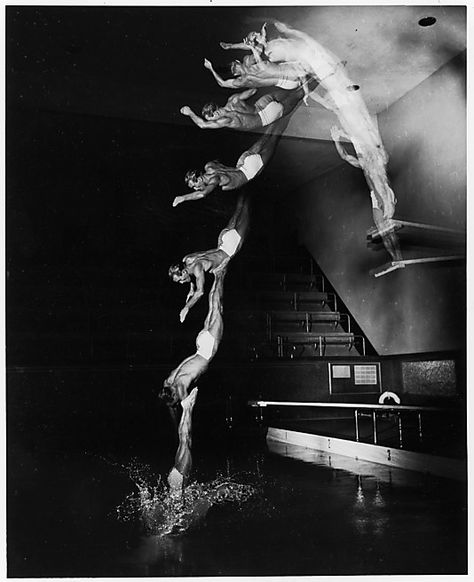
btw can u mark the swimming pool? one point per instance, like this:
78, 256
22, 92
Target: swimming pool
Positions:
311, 514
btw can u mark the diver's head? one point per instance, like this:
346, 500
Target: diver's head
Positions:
209, 111
169, 394
194, 179
236, 68
179, 274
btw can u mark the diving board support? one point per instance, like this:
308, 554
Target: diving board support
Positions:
408, 460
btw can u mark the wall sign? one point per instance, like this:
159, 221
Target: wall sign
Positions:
366, 375
341, 371
350, 378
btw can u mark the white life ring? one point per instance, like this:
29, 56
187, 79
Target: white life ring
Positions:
386, 395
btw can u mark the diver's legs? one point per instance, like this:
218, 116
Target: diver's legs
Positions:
183, 460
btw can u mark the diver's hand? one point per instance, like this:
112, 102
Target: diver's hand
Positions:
183, 313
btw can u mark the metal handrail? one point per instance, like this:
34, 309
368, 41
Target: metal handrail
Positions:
356, 406
263, 403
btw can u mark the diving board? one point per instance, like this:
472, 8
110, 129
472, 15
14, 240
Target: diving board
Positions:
394, 265
373, 233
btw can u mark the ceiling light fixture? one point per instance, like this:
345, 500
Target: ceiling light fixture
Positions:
427, 21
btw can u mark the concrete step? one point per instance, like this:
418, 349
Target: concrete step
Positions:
319, 342
306, 320
297, 300
286, 282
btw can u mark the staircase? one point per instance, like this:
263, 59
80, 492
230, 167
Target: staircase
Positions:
291, 313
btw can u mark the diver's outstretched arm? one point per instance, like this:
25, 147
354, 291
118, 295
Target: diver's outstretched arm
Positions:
215, 124
235, 45
227, 84
197, 194
197, 293
191, 291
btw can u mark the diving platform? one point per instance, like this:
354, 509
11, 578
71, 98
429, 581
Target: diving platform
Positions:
424, 240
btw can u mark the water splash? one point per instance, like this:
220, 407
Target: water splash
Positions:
162, 514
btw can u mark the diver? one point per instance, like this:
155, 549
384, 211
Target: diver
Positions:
196, 265
249, 165
237, 113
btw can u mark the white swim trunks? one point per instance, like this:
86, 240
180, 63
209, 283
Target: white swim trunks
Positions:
251, 166
285, 83
205, 344
375, 202
230, 241
268, 110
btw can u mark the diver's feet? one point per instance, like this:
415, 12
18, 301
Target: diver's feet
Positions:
281, 26
391, 226
189, 401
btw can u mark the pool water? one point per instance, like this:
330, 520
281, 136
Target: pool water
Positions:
300, 513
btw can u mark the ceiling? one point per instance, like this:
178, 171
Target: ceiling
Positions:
144, 63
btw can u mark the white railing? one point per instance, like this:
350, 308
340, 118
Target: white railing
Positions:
396, 409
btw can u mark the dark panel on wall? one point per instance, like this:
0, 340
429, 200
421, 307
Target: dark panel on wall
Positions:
435, 378
274, 381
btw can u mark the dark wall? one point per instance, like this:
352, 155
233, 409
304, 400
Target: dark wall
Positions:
91, 233
422, 307
114, 407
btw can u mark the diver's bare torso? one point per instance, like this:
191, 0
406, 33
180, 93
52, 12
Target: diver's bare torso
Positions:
228, 178
207, 261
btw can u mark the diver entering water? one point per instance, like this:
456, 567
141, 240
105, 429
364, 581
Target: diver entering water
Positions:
176, 386
181, 470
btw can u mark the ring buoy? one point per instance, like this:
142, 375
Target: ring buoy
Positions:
386, 395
